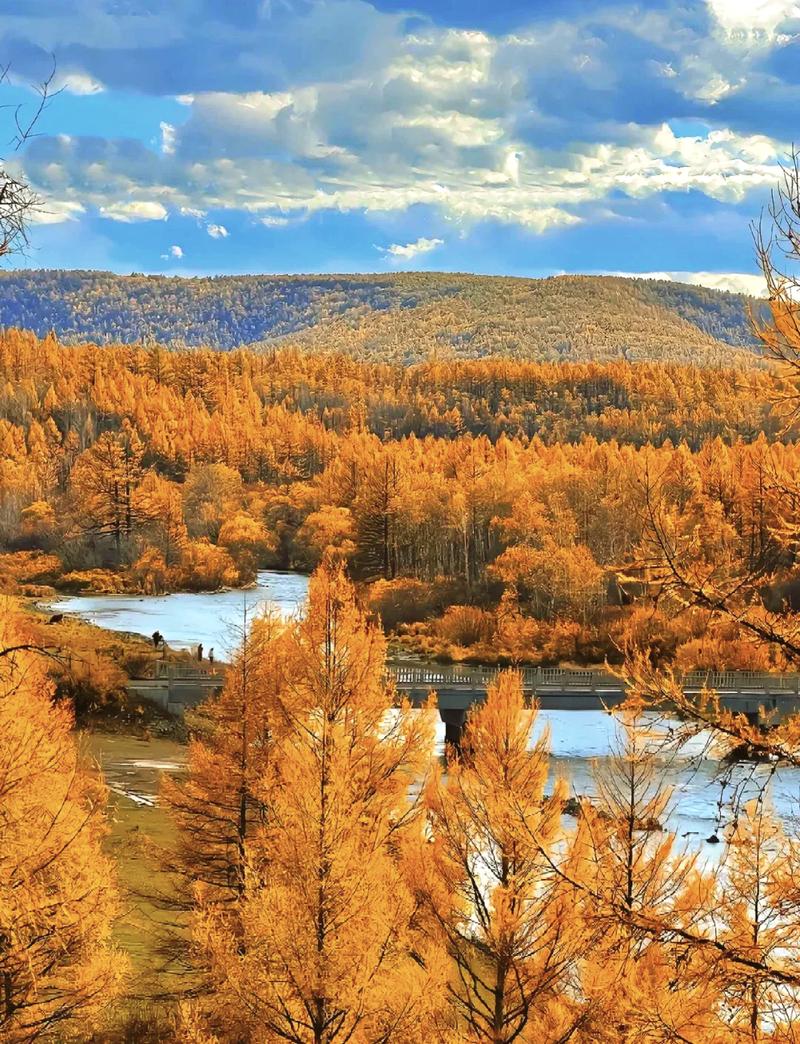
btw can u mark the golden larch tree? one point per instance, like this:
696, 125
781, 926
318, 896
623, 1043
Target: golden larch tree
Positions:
646, 976
488, 882
324, 948
58, 969
756, 922
217, 805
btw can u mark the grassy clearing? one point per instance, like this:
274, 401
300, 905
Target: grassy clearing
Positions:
132, 766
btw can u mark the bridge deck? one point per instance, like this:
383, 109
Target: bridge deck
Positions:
458, 687
560, 679
177, 686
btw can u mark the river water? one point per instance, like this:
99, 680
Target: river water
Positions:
186, 618
578, 739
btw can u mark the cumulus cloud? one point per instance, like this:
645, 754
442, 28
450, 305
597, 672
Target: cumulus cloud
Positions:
532, 128
733, 282
78, 83
399, 162
167, 138
174, 253
408, 251
753, 18
135, 210
54, 211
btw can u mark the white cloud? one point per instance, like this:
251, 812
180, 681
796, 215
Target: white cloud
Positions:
175, 253
665, 69
722, 165
511, 167
748, 19
135, 210
399, 164
167, 138
712, 90
411, 250
54, 212
459, 128
78, 83
467, 124
734, 282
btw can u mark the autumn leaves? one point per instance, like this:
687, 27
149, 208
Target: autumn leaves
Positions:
58, 900
332, 883
341, 886
497, 510
305, 931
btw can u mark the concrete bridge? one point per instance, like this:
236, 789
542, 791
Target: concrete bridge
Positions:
459, 687
178, 686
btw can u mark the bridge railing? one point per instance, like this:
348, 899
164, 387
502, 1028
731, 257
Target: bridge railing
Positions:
418, 676
742, 681
187, 672
415, 676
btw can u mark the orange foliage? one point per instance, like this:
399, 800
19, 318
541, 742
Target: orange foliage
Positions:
494, 479
506, 920
58, 969
322, 944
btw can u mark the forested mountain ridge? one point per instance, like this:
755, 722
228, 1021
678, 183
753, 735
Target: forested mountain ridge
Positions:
401, 317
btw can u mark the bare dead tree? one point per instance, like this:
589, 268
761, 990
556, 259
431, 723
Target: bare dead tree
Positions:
674, 554
777, 241
721, 586
19, 202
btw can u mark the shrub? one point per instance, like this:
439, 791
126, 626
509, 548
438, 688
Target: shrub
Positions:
37, 525
100, 581
466, 625
407, 601
205, 567
400, 601
248, 543
330, 527
138, 664
28, 567
150, 574
91, 682
561, 642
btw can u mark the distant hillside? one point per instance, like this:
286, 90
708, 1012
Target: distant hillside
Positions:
404, 317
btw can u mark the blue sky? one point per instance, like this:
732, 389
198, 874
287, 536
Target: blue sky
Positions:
202, 136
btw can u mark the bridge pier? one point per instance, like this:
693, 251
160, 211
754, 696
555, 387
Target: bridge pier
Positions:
453, 725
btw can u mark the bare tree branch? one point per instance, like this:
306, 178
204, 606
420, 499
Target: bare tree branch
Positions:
19, 202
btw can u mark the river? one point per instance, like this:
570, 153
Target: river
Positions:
186, 618
578, 739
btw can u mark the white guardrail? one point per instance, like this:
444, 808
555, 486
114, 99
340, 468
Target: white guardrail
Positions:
534, 679
563, 679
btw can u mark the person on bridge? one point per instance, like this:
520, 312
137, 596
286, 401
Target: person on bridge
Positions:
200, 652
211, 656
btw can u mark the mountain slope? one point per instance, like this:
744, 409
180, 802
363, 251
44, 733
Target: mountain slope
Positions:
402, 316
